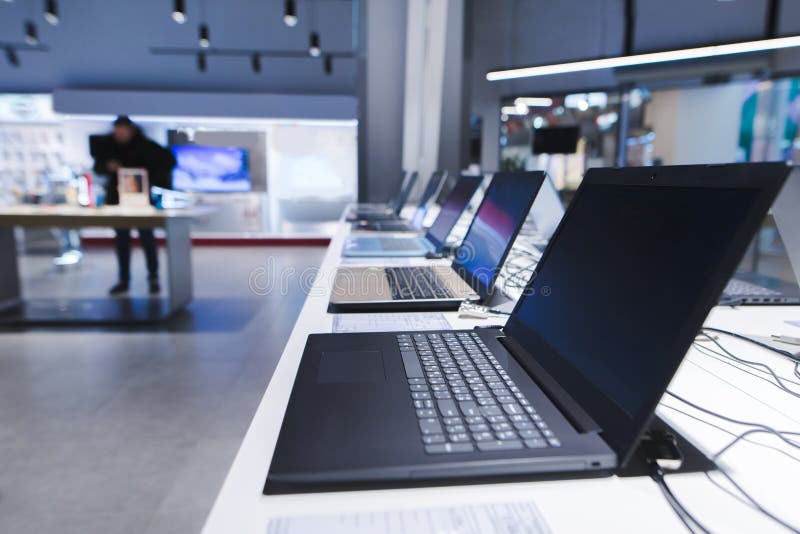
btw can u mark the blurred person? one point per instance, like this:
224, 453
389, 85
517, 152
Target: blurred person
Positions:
127, 146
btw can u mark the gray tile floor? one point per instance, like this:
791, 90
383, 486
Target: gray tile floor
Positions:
132, 430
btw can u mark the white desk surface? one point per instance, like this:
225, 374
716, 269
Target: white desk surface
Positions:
608, 504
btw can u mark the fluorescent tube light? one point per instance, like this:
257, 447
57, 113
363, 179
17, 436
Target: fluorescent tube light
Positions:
533, 102
644, 59
513, 110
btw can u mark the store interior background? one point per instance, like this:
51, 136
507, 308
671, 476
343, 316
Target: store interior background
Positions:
319, 138
406, 90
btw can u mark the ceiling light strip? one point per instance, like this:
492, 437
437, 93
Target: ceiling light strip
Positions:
645, 59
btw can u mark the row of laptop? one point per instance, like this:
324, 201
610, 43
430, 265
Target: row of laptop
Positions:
509, 199
571, 382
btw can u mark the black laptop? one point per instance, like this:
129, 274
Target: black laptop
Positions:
571, 381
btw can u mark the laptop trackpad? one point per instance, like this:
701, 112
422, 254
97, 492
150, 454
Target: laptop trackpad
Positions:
351, 366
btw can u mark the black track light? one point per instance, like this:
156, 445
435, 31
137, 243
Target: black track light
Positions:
12, 57
313, 45
179, 11
201, 62
205, 39
328, 64
256, 63
51, 12
31, 35
290, 13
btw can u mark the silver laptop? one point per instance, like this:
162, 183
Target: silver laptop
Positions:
398, 224
749, 288
391, 209
434, 239
472, 274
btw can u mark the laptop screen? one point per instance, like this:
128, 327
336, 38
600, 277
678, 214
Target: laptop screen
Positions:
452, 209
497, 222
625, 286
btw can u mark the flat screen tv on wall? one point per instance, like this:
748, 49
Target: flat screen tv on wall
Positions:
210, 169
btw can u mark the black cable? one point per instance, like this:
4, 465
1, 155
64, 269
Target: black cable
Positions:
514, 273
759, 428
516, 280
735, 421
743, 435
734, 434
723, 358
751, 502
686, 517
774, 375
753, 341
756, 504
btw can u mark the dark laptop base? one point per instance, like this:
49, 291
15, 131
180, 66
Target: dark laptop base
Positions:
395, 306
694, 461
384, 226
788, 294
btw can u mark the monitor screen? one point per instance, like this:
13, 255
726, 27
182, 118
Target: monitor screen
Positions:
608, 309
505, 206
452, 209
211, 169
556, 140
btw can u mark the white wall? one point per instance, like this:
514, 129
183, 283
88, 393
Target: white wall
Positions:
426, 36
696, 125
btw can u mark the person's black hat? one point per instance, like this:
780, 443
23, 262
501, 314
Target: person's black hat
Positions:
123, 120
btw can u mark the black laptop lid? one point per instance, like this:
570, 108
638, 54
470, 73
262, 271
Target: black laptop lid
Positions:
636, 264
435, 181
431, 188
496, 224
451, 211
405, 190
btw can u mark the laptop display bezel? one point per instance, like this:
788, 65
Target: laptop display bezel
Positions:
620, 430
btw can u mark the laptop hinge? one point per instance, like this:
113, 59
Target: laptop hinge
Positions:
576, 415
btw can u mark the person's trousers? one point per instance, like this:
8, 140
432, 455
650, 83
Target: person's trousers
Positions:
123, 246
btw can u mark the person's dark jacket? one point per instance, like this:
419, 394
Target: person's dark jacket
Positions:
140, 152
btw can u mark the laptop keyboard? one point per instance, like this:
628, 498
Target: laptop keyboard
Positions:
410, 283
737, 287
398, 243
464, 399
